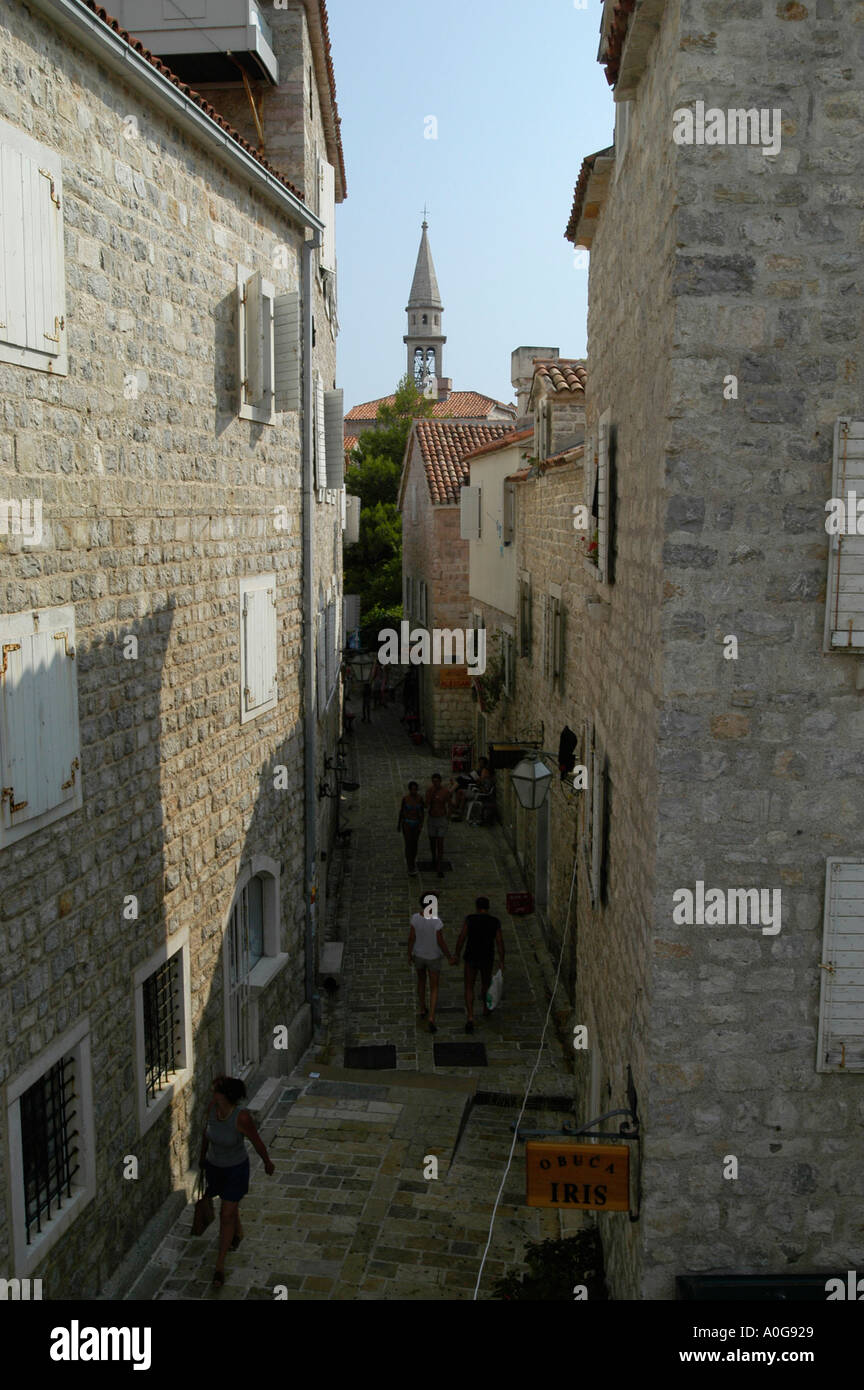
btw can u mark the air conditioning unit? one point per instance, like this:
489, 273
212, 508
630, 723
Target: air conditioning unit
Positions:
198, 39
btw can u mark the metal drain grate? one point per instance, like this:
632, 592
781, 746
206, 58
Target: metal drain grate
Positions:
373, 1057
460, 1054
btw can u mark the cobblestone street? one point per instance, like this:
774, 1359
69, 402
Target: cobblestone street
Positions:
348, 1213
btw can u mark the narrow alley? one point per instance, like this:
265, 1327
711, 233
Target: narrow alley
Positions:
348, 1213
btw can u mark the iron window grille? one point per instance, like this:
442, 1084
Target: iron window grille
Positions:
50, 1153
161, 1026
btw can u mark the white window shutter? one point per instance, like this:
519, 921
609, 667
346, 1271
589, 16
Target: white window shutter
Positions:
603, 429
350, 613
38, 722
287, 350
469, 513
259, 616
334, 428
260, 296
320, 434
844, 624
352, 519
32, 281
841, 1007
327, 211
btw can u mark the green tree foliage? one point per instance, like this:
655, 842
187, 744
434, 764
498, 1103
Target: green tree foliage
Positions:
373, 567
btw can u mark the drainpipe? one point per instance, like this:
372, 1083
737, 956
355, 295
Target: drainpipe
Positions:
310, 732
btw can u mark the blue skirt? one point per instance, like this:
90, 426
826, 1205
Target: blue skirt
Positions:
231, 1184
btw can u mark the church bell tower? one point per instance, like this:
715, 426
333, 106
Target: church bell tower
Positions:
424, 338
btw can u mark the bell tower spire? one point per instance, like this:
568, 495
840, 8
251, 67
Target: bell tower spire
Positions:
424, 338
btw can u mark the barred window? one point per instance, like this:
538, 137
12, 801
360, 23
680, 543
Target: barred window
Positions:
161, 1026
49, 1144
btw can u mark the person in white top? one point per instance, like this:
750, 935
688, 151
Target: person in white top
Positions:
427, 948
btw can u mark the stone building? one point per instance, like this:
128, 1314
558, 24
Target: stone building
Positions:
524, 583
171, 589
724, 401
435, 561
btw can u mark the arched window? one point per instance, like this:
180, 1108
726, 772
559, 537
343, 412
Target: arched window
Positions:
425, 318
253, 957
418, 364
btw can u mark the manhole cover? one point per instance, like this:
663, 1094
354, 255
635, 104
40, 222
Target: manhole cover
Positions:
460, 1054
375, 1057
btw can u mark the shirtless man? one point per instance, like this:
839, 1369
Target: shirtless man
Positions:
437, 806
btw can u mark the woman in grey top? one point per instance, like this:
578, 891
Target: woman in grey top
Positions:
224, 1156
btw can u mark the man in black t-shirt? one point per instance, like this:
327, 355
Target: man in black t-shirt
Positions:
481, 933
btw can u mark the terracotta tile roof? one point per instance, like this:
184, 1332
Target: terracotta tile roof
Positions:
443, 448
611, 50
582, 188
331, 77
512, 437
188, 92
542, 466
350, 442
459, 405
562, 373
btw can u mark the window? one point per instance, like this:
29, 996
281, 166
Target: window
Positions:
258, 645
52, 1153
253, 958
32, 275
600, 494
334, 447
525, 615
844, 608
320, 433
39, 746
507, 657
352, 519
841, 1007
553, 657
509, 513
327, 213
255, 340
594, 811
327, 653
470, 500
163, 1030
422, 603
425, 318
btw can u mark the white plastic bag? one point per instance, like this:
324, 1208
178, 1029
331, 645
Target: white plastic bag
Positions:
495, 990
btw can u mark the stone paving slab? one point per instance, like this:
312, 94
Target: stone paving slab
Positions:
350, 1213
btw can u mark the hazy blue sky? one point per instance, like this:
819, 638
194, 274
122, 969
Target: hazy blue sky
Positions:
520, 100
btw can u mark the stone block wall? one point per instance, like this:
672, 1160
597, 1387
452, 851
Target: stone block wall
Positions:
756, 783
621, 676
154, 509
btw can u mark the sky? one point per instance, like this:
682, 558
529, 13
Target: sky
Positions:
519, 101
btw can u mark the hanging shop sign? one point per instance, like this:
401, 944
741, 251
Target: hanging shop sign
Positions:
454, 678
589, 1177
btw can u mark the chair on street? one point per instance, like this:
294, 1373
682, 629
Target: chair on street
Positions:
481, 807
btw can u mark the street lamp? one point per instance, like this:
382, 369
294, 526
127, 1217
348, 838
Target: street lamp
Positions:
531, 780
360, 664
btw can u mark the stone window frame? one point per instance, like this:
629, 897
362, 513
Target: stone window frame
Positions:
149, 1112
75, 1043
274, 959
598, 474
507, 639
525, 616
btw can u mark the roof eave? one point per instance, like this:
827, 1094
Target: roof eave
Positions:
319, 39
77, 19
590, 195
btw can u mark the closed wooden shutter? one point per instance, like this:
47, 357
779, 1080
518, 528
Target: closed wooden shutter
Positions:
32, 289
841, 1007
327, 213
334, 413
602, 484
509, 513
287, 350
469, 513
844, 626
320, 435
259, 633
352, 519
38, 718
